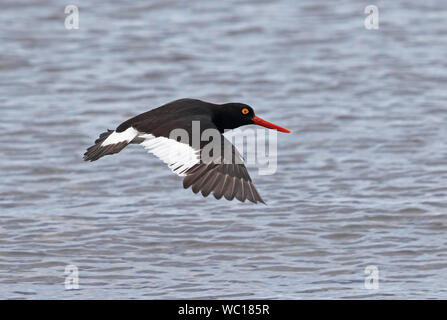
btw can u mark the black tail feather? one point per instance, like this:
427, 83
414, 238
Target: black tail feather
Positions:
96, 151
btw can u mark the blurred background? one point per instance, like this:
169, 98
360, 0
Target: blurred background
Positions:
361, 180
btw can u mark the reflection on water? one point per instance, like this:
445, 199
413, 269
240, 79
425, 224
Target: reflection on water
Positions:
361, 180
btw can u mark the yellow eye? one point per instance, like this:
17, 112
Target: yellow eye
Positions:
245, 111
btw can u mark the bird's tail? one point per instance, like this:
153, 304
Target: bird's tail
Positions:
100, 149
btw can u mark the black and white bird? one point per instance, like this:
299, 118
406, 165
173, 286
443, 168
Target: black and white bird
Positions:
221, 175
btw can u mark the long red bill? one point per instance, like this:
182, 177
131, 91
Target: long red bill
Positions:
263, 123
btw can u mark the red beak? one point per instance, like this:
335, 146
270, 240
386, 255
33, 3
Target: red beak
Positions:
263, 123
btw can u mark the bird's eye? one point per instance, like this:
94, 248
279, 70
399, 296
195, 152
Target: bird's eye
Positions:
245, 111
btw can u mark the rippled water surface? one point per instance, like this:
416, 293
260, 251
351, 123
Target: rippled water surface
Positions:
361, 181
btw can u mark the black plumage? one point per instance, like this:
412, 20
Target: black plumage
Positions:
219, 175
96, 151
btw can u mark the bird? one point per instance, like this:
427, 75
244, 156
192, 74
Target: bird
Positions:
223, 175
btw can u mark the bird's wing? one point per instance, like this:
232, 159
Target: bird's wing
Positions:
157, 139
180, 157
224, 175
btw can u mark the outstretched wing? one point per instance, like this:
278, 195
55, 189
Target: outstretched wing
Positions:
180, 157
224, 175
110, 142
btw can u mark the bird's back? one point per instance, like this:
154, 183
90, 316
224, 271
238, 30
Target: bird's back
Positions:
192, 109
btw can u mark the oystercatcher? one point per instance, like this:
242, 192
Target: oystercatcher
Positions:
223, 176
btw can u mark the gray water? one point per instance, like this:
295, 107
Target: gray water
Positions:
360, 181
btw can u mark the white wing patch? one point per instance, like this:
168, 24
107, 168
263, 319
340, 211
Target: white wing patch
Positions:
116, 137
178, 156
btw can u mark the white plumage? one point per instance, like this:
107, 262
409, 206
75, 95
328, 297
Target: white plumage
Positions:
178, 156
116, 137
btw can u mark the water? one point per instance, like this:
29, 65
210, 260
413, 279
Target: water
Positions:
361, 180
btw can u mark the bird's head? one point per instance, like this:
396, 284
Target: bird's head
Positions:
234, 115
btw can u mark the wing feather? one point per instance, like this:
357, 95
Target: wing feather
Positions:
221, 176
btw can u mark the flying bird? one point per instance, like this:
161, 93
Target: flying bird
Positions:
222, 175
